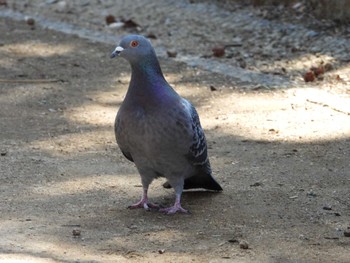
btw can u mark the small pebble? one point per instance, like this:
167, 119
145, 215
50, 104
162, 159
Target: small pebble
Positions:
328, 67
256, 184
327, 207
171, 53
76, 232
30, 21
243, 244
311, 193
347, 232
242, 64
132, 227
161, 251
233, 240
116, 25
62, 6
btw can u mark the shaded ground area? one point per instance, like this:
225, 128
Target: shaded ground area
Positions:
281, 155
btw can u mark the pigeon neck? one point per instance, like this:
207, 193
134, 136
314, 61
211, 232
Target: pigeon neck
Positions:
148, 74
148, 68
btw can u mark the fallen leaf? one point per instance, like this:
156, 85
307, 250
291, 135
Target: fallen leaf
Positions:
110, 19
218, 51
309, 76
129, 23
318, 70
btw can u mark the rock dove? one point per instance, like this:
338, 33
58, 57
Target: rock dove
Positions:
159, 130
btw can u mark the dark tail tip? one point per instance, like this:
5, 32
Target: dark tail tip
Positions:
202, 181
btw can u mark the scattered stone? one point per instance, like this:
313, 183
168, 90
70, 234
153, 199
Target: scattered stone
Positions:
30, 21
327, 207
311, 193
273, 131
161, 251
62, 6
331, 238
212, 88
256, 184
338, 78
116, 25
3, 2
303, 237
328, 67
312, 34
171, 53
242, 63
233, 240
243, 244
3, 153
76, 233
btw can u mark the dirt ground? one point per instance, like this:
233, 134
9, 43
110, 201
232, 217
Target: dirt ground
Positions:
282, 156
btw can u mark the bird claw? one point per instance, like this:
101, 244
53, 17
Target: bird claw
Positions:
174, 209
142, 204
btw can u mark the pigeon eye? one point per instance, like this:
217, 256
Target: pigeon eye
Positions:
134, 43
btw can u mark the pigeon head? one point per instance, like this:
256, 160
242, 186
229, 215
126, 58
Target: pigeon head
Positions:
138, 51
134, 48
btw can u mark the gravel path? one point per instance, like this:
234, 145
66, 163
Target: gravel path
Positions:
278, 145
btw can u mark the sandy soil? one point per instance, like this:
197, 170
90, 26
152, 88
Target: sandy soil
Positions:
281, 155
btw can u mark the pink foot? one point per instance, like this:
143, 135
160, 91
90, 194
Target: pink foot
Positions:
145, 204
173, 209
176, 207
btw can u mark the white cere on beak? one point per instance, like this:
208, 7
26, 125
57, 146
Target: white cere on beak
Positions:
118, 49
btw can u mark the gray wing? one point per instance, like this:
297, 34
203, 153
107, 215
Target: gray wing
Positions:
117, 130
198, 156
198, 151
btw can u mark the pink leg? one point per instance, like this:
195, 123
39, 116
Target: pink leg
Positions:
144, 202
175, 208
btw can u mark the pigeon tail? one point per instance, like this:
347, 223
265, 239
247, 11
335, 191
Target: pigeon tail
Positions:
205, 181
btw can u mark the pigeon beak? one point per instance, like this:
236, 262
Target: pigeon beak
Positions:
117, 51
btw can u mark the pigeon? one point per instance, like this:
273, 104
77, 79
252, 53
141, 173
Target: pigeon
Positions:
159, 130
